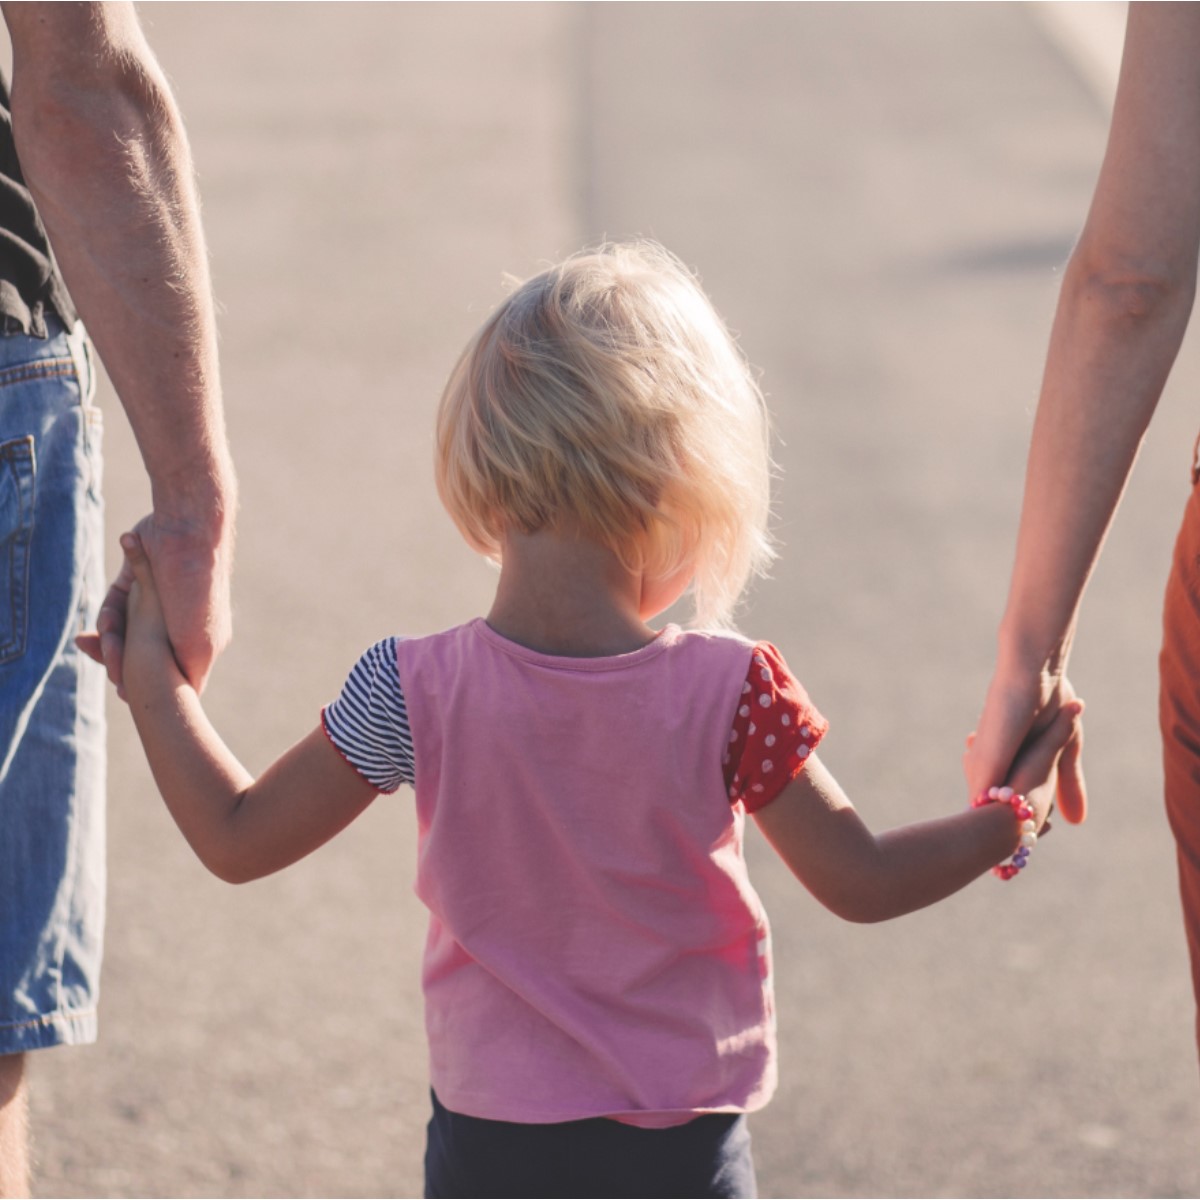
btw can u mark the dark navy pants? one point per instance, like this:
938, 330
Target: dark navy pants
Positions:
468, 1156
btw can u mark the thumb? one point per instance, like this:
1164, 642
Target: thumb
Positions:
89, 643
136, 558
1072, 790
144, 600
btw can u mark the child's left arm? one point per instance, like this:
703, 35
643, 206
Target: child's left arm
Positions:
240, 828
864, 876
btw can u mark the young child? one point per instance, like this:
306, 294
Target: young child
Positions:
597, 974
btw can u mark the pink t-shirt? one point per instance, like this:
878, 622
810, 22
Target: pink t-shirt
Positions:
595, 947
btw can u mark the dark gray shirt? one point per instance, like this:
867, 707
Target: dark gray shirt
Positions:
30, 286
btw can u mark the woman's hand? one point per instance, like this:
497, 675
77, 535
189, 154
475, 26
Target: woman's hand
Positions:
1015, 716
1036, 770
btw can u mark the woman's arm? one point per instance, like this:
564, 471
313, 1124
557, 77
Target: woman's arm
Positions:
239, 827
869, 877
1124, 305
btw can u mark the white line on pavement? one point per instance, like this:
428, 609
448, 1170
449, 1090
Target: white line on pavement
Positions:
1090, 34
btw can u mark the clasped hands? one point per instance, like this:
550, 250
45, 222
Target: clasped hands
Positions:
191, 570
1016, 714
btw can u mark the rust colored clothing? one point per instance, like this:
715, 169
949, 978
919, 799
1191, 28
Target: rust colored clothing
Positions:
1179, 716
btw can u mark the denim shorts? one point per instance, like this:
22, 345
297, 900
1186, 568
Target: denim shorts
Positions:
51, 696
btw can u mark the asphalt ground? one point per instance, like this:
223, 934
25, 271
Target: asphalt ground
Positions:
879, 199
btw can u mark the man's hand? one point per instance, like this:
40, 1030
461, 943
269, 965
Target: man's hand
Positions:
191, 576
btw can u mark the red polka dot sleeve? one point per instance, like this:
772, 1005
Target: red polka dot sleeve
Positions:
775, 729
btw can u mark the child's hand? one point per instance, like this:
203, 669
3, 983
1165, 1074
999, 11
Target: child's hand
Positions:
1035, 771
1013, 714
148, 655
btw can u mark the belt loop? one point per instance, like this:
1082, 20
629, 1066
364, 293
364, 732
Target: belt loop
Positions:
81, 352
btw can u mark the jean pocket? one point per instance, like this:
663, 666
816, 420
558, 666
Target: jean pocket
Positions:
16, 533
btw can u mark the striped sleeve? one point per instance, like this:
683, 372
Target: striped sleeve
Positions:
368, 722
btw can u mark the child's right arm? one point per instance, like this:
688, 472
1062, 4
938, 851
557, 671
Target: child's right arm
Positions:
240, 827
863, 876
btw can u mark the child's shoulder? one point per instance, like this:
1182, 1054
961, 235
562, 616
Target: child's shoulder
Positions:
715, 636
454, 634
710, 649
730, 650
731, 642
382, 657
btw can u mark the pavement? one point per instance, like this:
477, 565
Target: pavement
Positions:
880, 199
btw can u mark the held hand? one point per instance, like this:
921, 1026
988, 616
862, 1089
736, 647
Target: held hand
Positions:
1037, 771
146, 644
145, 624
1015, 720
192, 579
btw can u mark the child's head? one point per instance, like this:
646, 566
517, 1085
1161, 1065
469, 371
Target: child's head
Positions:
606, 397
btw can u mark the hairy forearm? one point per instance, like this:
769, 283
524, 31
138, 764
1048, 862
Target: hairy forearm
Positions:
106, 159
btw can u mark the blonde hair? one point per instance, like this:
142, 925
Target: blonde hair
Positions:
607, 394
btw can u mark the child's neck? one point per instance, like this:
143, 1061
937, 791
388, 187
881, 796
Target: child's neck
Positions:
563, 594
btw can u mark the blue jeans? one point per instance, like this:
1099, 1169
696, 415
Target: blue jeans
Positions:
52, 753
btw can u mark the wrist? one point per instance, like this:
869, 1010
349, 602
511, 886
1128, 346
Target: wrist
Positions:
1026, 653
1023, 827
152, 681
201, 503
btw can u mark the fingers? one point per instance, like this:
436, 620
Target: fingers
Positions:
111, 627
144, 606
180, 594
1072, 791
198, 667
155, 591
1038, 758
991, 749
105, 645
135, 558
89, 643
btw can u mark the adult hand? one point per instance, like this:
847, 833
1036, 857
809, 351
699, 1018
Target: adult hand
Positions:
191, 572
1015, 715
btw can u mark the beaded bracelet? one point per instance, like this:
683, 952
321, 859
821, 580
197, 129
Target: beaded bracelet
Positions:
1025, 814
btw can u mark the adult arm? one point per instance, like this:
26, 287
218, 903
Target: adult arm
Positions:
1125, 301
105, 157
